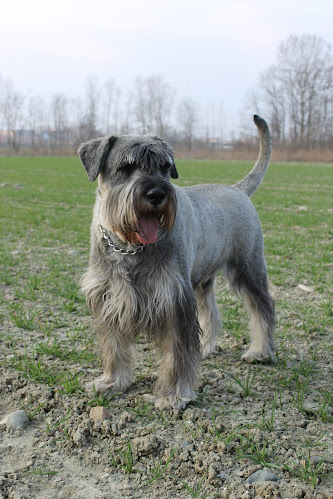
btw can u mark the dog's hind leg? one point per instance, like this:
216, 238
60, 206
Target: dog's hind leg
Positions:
251, 283
209, 317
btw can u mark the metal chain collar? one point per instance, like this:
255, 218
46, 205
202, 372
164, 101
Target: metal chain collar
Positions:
114, 246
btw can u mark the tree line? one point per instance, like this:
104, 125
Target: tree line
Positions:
62, 123
295, 95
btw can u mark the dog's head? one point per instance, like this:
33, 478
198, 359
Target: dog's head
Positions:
136, 197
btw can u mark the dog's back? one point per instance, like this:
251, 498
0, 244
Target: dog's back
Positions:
223, 215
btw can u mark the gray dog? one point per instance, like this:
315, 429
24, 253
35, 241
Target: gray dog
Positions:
155, 251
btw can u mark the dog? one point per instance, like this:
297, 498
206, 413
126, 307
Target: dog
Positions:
154, 253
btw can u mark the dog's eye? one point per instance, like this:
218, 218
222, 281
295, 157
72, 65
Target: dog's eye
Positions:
127, 169
165, 169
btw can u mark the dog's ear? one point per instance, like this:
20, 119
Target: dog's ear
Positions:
93, 155
173, 171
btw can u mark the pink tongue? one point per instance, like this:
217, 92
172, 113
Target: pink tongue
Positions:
148, 229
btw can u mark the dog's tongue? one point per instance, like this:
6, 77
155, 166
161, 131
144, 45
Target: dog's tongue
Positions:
148, 229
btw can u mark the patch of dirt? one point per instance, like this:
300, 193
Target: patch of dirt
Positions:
246, 418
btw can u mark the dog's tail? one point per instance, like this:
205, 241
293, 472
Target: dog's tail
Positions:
250, 183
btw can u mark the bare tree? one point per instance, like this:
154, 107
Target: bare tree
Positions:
187, 117
212, 125
12, 110
153, 100
35, 120
2, 92
126, 126
78, 116
111, 97
90, 123
297, 91
141, 106
59, 133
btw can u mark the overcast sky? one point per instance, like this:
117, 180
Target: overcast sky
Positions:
211, 50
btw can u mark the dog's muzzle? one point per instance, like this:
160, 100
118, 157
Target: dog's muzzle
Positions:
140, 211
155, 211
150, 221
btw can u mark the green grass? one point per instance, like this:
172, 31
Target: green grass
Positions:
53, 208
47, 338
48, 218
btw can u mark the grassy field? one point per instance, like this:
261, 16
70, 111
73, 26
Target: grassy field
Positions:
275, 416
53, 208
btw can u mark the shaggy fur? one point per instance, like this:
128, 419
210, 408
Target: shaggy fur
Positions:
153, 271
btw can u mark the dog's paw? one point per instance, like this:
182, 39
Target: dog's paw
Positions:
178, 400
99, 385
252, 356
174, 402
206, 352
209, 350
109, 386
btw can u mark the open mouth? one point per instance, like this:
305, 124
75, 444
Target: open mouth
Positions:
149, 225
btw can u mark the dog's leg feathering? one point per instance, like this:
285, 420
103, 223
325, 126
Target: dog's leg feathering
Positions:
180, 360
252, 285
117, 360
209, 317
115, 341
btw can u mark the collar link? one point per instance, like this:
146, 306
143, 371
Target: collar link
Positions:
114, 246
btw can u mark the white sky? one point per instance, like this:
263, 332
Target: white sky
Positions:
211, 50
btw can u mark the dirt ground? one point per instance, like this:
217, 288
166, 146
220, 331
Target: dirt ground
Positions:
246, 418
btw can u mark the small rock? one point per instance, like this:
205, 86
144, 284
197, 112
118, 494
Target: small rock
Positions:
3, 185
212, 472
186, 443
147, 446
309, 406
72, 252
315, 460
221, 448
222, 476
18, 186
302, 208
262, 476
148, 397
79, 438
105, 478
307, 289
17, 420
99, 413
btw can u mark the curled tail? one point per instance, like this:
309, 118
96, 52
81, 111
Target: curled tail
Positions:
250, 183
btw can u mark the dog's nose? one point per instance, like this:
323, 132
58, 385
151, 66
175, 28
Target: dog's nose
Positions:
156, 196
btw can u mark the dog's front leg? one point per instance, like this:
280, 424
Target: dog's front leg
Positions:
178, 373
117, 361
180, 358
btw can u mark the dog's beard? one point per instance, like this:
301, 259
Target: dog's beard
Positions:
127, 212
